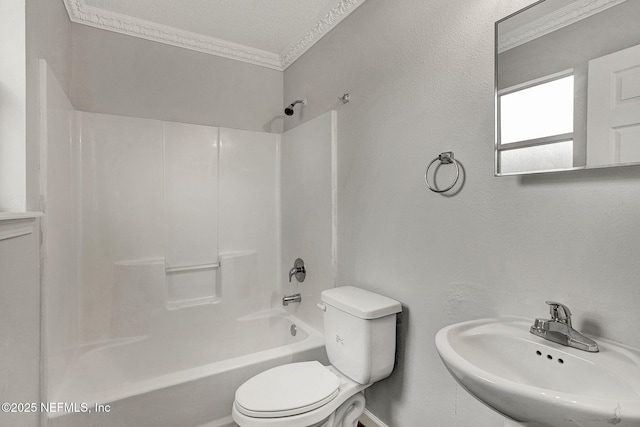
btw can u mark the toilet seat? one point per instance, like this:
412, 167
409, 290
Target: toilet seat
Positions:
287, 390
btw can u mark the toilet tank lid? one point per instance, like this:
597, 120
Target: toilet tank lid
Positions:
360, 303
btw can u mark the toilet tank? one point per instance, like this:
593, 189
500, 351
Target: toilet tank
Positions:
360, 332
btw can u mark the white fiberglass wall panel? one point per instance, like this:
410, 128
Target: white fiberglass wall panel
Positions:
308, 185
249, 203
151, 196
191, 211
122, 207
191, 194
59, 165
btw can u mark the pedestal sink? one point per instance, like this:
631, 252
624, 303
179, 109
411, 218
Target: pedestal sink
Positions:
538, 382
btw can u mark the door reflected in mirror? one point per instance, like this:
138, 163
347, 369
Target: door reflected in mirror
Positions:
568, 86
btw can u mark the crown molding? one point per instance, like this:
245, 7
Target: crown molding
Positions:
560, 18
81, 13
330, 20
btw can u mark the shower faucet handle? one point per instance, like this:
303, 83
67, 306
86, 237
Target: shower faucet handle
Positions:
298, 270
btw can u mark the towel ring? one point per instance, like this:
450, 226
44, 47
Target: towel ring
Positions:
445, 158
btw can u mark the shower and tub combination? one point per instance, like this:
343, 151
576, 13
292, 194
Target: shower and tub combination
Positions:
164, 262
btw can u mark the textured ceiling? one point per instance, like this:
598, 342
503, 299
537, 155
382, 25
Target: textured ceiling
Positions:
272, 33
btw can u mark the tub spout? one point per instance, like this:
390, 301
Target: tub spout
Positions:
288, 299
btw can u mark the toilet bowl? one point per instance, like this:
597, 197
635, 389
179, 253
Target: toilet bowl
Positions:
360, 342
299, 395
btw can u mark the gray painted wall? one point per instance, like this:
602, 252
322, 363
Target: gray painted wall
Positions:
128, 76
420, 75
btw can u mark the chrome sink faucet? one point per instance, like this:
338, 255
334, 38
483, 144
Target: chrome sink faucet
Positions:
558, 329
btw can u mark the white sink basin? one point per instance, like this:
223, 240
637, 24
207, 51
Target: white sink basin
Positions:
538, 382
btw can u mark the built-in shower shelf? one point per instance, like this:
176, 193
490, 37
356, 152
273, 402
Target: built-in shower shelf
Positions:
192, 285
192, 267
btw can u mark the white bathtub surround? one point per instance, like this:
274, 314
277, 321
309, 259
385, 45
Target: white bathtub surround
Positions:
151, 192
122, 205
249, 207
169, 284
59, 249
141, 306
190, 157
309, 206
138, 298
243, 291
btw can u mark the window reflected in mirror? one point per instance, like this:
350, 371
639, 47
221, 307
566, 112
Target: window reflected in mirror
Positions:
568, 86
536, 125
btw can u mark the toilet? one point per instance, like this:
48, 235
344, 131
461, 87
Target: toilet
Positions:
360, 339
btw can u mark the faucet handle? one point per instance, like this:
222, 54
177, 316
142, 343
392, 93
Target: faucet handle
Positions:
559, 312
298, 270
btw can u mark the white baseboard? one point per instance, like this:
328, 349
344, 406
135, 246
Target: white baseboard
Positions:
222, 422
367, 419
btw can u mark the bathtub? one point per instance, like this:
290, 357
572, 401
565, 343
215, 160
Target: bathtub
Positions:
186, 379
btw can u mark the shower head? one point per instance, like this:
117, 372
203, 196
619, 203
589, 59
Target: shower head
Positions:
289, 110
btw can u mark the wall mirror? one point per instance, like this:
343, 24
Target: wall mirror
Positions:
568, 86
